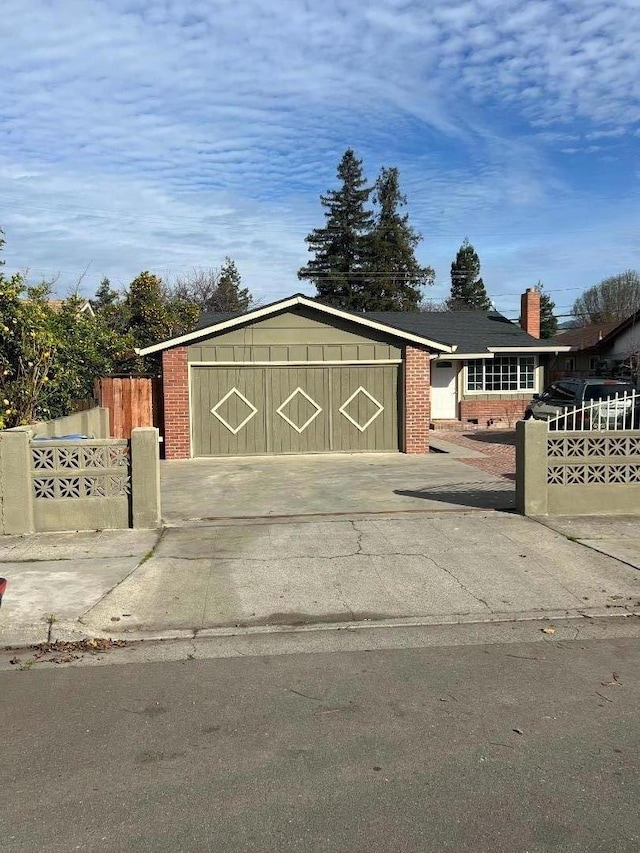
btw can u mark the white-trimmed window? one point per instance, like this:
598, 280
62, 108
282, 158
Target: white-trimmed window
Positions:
502, 373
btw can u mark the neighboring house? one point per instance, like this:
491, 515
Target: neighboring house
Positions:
619, 349
85, 308
584, 357
600, 349
298, 376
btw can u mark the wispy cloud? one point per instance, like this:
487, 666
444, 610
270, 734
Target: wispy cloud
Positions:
168, 133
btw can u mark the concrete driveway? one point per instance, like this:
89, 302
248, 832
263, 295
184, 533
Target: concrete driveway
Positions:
262, 486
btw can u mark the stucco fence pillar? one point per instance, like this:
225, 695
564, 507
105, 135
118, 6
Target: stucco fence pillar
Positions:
145, 478
532, 494
16, 499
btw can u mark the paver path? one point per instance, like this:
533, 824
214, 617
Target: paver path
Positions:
497, 448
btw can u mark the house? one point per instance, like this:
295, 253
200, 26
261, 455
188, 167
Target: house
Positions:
85, 308
584, 356
619, 349
600, 349
298, 376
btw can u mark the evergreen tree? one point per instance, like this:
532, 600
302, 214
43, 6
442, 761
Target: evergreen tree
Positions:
396, 277
341, 249
467, 288
214, 290
105, 296
229, 295
548, 320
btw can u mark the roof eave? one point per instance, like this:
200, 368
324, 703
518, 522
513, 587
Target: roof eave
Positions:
290, 303
530, 349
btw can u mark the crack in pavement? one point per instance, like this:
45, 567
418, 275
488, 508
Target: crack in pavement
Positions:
460, 584
359, 535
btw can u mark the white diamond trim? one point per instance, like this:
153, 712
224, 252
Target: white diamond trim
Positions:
244, 400
364, 391
288, 400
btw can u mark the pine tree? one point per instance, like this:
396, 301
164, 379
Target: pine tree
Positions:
548, 320
396, 276
229, 295
467, 288
339, 268
105, 297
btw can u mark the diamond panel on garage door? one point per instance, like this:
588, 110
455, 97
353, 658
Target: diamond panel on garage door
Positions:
361, 408
243, 407
303, 413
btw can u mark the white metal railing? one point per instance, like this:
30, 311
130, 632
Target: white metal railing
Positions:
616, 413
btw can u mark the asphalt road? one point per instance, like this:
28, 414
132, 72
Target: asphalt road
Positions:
514, 747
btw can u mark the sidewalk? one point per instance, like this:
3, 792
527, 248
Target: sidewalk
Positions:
59, 576
265, 574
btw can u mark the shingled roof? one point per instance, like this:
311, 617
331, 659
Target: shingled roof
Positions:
462, 332
585, 337
470, 331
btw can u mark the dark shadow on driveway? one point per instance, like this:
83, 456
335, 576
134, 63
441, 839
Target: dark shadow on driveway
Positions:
472, 495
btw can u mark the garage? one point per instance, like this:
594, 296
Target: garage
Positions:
296, 376
302, 409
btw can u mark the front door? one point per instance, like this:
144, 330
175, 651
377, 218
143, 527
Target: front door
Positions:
443, 390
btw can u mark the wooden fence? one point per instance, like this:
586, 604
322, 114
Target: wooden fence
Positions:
133, 401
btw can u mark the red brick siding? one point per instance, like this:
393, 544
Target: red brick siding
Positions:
506, 411
417, 403
175, 385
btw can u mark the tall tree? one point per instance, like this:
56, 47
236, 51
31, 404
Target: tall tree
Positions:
214, 290
341, 262
105, 297
467, 288
612, 300
230, 295
153, 314
548, 319
396, 277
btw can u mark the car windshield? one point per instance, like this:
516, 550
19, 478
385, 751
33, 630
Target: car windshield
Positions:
606, 392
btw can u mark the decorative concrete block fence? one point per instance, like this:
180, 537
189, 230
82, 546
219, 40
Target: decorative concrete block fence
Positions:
48, 483
576, 472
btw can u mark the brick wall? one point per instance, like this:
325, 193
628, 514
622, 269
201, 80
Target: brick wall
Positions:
175, 386
505, 411
417, 388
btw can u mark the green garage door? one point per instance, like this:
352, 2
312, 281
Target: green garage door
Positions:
254, 410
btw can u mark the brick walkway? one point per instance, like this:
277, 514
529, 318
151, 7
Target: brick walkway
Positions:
497, 448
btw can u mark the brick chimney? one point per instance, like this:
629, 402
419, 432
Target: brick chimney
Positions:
530, 312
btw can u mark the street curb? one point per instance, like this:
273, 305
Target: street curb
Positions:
75, 631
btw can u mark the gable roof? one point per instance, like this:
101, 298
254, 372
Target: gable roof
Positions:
474, 332
618, 328
212, 323
57, 305
585, 337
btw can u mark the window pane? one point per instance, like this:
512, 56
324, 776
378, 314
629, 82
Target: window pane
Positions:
474, 375
527, 373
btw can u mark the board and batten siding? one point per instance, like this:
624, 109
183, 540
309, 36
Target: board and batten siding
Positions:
294, 336
259, 410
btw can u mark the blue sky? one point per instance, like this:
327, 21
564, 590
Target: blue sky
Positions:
166, 134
